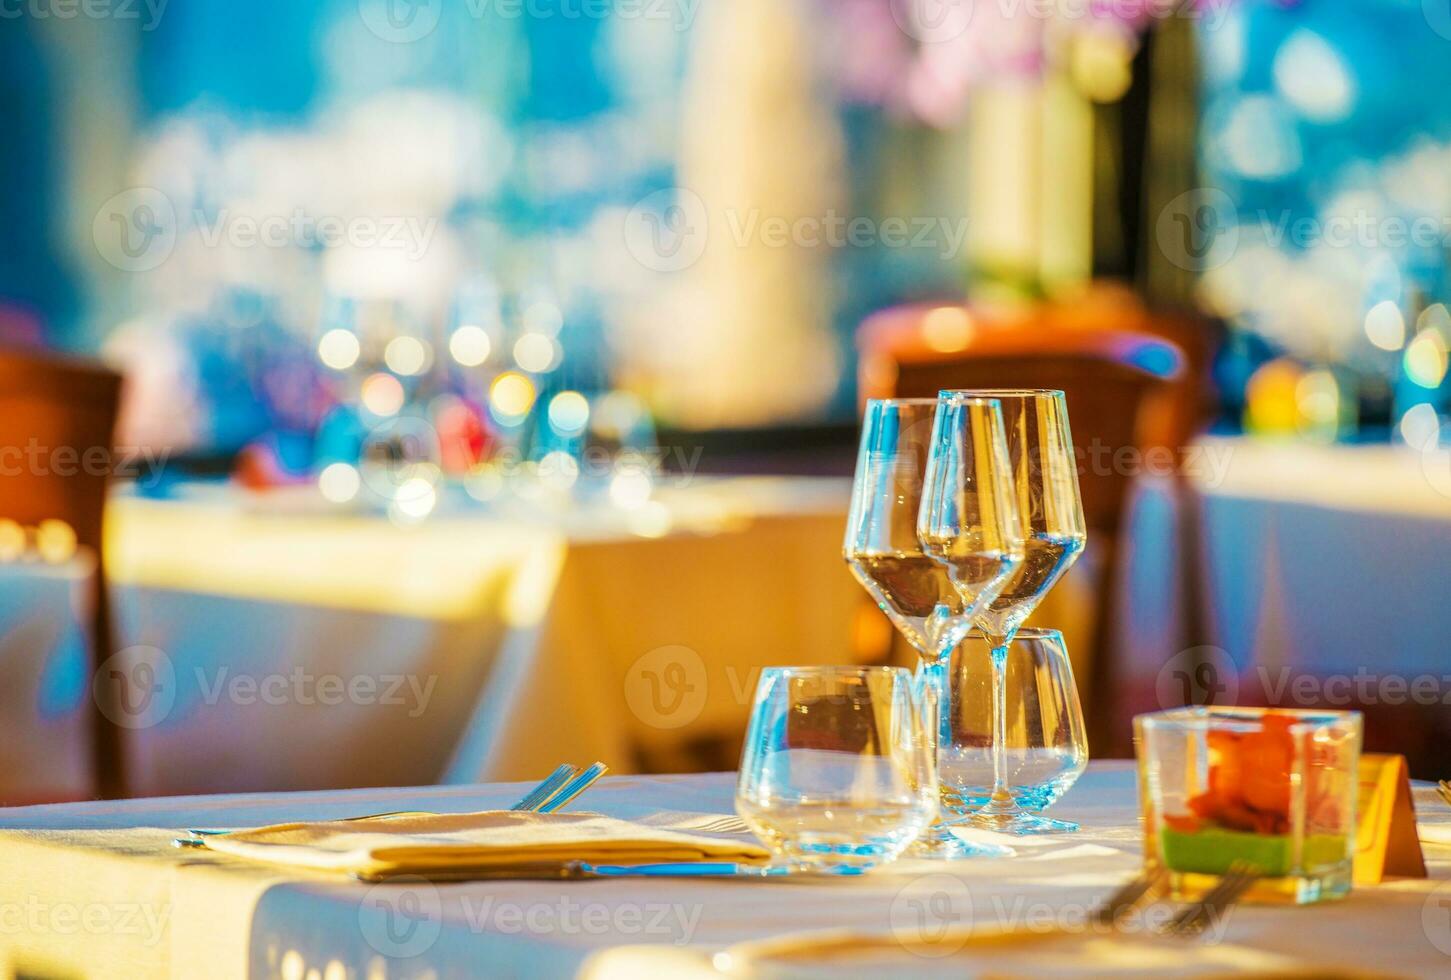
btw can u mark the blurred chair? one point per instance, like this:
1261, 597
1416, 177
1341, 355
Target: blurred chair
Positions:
49, 403
1126, 391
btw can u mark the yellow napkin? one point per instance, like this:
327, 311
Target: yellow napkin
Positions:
491, 841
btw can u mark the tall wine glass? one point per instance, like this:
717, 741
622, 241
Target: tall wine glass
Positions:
887, 556
1045, 485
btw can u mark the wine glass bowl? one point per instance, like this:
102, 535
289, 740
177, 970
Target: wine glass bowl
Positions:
882, 548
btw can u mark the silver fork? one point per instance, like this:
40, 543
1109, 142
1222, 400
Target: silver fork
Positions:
549, 792
573, 788
1150, 880
1211, 908
723, 825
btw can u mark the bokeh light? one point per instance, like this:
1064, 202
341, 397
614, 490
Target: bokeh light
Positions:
630, 489
382, 394
407, 356
339, 349
1420, 427
1385, 326
55, 541
947, 329
536, 352
12, 540
470, 345
511, 396
339, 482
568, 412
1426, 359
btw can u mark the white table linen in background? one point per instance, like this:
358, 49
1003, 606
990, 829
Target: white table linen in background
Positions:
1313, 561
192, 914
306, 648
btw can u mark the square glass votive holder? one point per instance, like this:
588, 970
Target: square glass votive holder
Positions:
1270, 788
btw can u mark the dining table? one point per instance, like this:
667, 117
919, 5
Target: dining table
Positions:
1316, 574
277, 641
97, 889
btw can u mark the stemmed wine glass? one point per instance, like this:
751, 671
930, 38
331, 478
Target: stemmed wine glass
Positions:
913, 585
1045, 485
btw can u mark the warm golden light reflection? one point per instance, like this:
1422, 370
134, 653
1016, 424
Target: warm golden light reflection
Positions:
947, 329
382, 394
1426, 359
12, 541
338, 349
511, 396
55, 541
470, 345
1385, 327
1317, 395
1272, 403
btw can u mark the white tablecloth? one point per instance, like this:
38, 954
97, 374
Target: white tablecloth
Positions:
96, 890
283, 646
1313, 562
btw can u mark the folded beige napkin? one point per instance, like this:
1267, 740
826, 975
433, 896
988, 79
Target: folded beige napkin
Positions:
492, 841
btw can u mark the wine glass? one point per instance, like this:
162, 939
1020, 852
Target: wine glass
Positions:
886, 554
1045, 486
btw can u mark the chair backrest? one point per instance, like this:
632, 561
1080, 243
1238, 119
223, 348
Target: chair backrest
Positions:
1125, 395
57, 424
1107, 375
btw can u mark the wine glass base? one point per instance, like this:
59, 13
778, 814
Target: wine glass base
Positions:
941, 844
1021, 824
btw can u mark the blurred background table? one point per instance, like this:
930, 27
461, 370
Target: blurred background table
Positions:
486, 647
1311, 562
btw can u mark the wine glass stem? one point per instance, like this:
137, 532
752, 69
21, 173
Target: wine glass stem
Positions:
1002, 801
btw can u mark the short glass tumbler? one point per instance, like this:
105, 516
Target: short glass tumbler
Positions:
837, 775
1046, 746
1268, 790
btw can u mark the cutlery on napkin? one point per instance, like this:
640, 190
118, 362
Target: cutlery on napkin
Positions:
492, 843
